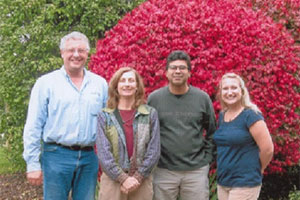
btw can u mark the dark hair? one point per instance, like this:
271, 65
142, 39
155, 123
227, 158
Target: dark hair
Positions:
179, 55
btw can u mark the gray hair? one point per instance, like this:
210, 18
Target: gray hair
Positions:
76, 36
246, 102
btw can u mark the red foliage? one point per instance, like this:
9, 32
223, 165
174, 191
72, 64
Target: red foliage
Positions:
220, 37
285, 12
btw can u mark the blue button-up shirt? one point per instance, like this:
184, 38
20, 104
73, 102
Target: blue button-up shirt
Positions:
59, 112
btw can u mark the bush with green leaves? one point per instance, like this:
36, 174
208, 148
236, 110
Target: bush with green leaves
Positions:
30, 32
294, 195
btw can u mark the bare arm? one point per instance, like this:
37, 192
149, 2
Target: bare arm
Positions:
262, 137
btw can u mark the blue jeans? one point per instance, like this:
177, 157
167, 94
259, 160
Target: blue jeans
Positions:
65, 170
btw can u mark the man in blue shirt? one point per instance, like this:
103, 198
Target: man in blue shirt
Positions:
60, 129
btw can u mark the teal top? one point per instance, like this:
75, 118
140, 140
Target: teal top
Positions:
238, 163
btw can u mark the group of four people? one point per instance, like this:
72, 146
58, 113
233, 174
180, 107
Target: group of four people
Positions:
156, 150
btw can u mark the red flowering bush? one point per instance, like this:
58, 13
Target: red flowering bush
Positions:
285, 12
220, 37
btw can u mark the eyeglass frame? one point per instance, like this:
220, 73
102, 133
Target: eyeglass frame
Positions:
175, 67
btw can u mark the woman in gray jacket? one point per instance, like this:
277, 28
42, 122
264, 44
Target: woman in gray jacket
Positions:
128, 140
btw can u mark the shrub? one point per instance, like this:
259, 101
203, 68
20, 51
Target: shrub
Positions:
30, 32
284, 12
220, 36
294, 195
281, 186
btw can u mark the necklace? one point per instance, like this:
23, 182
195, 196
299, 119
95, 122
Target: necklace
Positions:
127, 116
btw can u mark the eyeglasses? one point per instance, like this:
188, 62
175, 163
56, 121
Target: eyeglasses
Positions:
175, 67
79, 51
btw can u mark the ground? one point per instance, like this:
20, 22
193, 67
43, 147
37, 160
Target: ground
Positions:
15, 187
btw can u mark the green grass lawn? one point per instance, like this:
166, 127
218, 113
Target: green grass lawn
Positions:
5, 166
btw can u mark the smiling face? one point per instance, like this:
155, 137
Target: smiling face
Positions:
74, 55
231, 92
178, 73
127, 85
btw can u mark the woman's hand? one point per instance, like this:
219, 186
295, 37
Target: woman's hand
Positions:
129, 185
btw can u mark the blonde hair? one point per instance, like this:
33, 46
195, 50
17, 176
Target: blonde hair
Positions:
113, 95
246, 102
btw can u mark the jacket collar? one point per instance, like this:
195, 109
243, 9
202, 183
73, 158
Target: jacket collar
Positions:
142, 109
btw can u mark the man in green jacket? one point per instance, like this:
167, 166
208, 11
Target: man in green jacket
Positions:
184, 113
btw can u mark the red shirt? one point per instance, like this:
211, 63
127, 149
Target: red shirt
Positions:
127, 118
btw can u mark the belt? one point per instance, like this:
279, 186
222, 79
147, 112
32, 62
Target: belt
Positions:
74, 147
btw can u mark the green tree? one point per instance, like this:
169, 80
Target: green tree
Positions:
30, 31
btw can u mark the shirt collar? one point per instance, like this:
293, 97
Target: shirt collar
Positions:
63, 70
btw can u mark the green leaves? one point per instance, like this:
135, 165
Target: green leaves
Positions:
30, 32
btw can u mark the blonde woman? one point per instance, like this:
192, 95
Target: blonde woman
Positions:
128, 140
244, 144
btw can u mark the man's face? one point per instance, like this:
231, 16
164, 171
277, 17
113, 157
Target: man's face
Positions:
74, 55
178, 73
